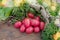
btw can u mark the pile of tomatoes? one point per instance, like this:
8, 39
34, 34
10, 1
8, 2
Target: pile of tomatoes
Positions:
30, 24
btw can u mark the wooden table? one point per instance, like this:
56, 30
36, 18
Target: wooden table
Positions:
8, 32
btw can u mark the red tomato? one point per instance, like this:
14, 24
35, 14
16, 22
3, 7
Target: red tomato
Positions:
35, 22
17, 24
37, 18
29, 30
30, 15
26, 22
42, 24
36, 29
22, 28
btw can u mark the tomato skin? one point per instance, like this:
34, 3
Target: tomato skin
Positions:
37, 18
30, 15
36, 29
26, 22
35, 22
22, 28
29, 30
18, 24
42, 25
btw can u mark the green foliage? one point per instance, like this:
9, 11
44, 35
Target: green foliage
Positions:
39, 1
0, 0
19, 13
54, 13
58, 38
4, 13
58, 7
47, 33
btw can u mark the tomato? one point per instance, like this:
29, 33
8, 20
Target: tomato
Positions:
30, 15
42, 25
29, 30
17, 24
22, 28
34, 22
36, 29
26, 22
37, 18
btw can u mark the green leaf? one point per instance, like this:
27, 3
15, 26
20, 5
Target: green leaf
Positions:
1, 14
0, 0
4, 13
47, 33
58, 38
39, 1
7, 12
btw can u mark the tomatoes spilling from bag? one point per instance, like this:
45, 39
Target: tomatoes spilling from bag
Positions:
30, 24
